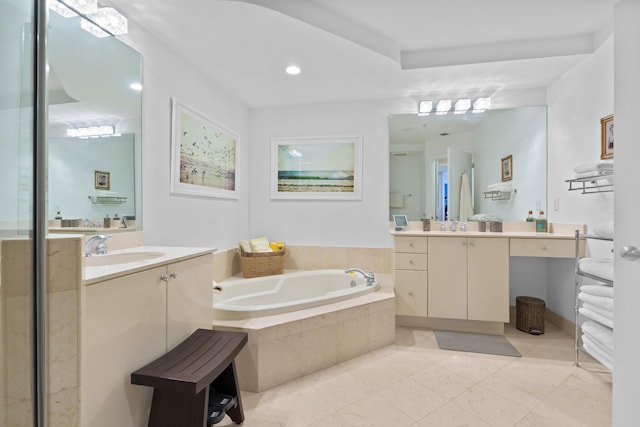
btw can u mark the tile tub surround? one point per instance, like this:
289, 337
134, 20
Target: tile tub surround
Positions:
288, 346
299, 257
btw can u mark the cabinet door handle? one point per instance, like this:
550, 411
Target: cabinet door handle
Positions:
164, 277
544, 248
464, 243
472, 243
411, 244
173, 275
410, 261
410, 294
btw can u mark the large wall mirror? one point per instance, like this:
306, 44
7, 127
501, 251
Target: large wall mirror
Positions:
92, 83
500, 154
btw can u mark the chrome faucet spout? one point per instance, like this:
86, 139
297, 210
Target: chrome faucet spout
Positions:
99, 241
369, 277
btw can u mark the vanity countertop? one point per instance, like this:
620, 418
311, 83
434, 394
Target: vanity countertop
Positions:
170, 254
514, 229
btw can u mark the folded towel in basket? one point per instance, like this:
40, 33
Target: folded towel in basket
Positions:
595, 316
605, 303
590, 167
599, 333
599, 354
598, 290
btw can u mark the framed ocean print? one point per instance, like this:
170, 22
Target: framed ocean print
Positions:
204, 155
606, 136
320, 168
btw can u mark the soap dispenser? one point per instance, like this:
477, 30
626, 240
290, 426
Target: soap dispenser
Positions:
106, 223
541, 223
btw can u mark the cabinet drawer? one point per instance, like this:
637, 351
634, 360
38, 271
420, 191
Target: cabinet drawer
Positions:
411, 244
406, 261
549, 248
411, 290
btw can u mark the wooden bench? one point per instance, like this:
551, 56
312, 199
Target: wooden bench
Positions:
183, 378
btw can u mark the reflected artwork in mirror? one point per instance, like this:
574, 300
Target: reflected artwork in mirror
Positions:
449, 167
94, 124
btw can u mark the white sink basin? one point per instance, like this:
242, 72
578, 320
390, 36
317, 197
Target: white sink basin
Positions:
121, 258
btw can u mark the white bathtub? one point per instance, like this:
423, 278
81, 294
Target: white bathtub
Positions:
263, 296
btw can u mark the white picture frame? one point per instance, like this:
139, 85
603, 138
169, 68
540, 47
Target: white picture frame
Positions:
316, 168
204, 155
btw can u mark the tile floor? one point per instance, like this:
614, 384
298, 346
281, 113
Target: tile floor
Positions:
414, 383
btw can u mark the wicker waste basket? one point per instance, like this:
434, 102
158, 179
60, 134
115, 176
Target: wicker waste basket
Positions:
530, 315
256, 264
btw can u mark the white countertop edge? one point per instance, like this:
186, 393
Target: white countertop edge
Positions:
94, 274
515, 234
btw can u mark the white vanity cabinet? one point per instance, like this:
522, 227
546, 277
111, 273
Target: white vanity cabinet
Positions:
410, 274
469, 278
127, 322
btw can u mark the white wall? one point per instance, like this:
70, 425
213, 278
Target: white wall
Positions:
335, 223
576, 103
180, 220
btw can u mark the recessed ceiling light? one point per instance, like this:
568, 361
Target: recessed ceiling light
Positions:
293, 70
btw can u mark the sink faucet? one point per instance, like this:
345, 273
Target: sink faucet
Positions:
454, 224
89, 224
101, 246
370, 277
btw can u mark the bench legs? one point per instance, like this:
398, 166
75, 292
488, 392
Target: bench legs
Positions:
177, 409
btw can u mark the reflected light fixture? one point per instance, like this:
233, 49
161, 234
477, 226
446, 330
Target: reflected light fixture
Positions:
92, 132
70, 8
443, 107
293, 70
481, 104
425, 108
462, 105
109, 22
136, 86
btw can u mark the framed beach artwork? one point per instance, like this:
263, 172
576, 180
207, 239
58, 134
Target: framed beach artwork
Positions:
606, 131
204, 155
507, 168
322, 168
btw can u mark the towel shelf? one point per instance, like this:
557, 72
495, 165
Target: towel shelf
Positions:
595, 351
498, 195
592, 184
107, 200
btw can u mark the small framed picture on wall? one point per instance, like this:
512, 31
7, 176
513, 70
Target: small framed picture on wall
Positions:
606, 130
102, 180
507, 168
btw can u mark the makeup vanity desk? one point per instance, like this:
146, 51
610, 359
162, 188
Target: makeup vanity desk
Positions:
459, 280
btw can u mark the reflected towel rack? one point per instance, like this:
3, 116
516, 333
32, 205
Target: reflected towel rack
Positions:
108, 200
498, 195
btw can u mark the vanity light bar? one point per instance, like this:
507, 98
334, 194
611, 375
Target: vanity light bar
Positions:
92, 132
70, 8
461, 106
443, 107
109, 22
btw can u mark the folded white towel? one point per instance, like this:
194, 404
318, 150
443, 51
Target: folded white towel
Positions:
598, 290
595, 316
396, 200
593, 167
484, 217
593, 174
601, 311
599, 333
605, 230
604, 303
597, 353
600, 267
499, 186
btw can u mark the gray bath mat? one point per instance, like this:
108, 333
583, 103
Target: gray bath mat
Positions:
475, 343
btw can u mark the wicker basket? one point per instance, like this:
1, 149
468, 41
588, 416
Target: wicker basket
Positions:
256, 264
530, 315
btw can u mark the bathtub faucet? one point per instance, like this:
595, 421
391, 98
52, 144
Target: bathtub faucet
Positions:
370, 277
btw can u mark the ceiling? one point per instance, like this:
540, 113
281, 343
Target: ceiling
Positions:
370, 49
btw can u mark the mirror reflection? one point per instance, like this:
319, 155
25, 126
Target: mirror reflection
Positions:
452, 167
90, 85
